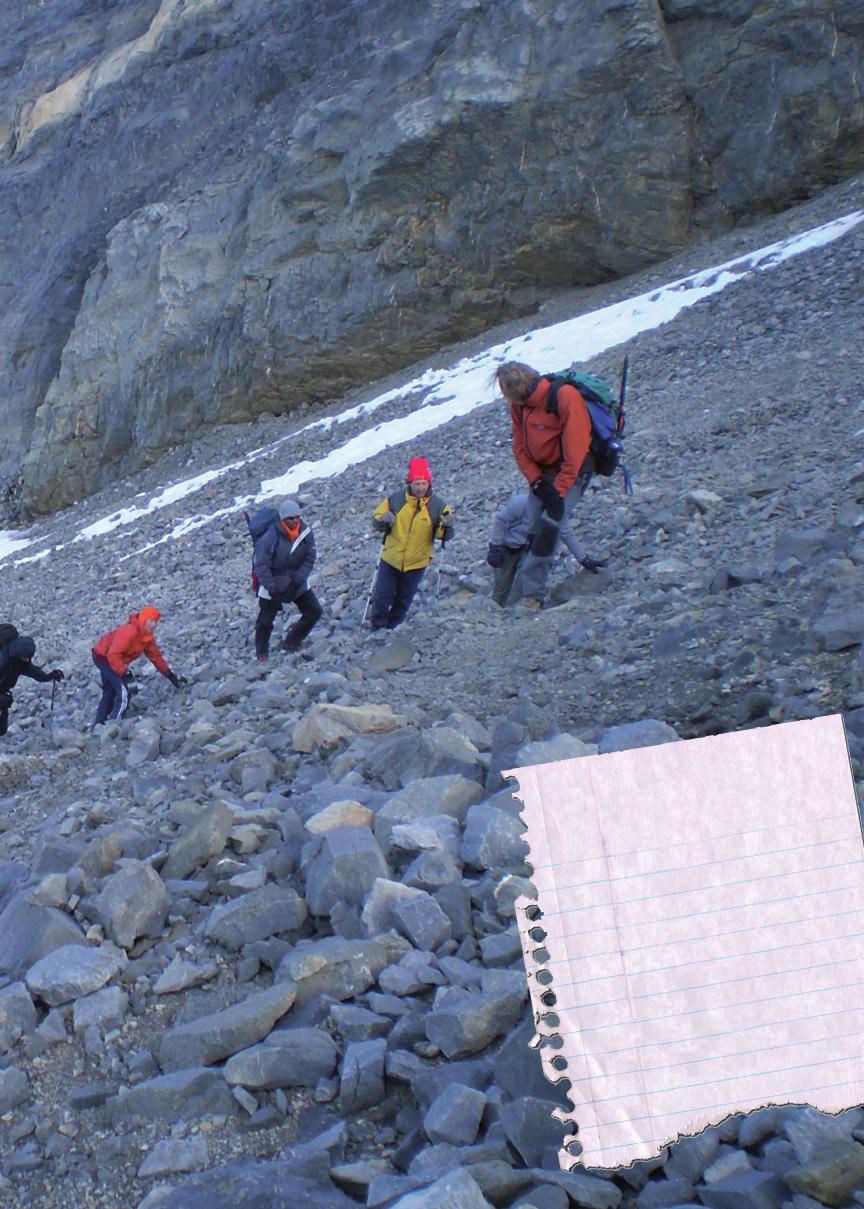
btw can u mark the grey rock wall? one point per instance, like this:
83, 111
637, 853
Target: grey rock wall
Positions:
215, 208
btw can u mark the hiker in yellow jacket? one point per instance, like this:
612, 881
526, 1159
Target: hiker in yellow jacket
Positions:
413, 516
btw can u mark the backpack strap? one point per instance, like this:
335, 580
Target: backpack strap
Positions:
555, 385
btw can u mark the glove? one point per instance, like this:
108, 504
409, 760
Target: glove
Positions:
263, 594
552, 502
593, 564
386, 518
447, 520
56, 675
177, 681
494, 556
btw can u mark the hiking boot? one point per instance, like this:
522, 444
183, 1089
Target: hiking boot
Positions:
532, 604
262, 658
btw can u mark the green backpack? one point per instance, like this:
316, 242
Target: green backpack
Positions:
606, 412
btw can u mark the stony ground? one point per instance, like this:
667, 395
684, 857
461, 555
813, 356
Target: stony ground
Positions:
285, 933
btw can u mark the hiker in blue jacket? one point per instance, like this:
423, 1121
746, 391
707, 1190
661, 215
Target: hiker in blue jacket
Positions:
510, 538
283, 560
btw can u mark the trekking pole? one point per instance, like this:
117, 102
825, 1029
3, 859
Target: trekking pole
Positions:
53, 694
373, 583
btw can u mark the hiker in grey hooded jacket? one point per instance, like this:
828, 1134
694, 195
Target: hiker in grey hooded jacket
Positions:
509, 538
283, 560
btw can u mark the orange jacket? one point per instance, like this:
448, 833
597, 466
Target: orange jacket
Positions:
543, 442
126, 644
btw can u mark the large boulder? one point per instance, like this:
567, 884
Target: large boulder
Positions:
416, 176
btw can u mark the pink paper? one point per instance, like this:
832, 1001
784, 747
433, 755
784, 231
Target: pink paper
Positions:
703, 904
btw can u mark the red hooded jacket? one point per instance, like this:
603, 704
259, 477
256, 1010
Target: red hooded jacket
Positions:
126, 644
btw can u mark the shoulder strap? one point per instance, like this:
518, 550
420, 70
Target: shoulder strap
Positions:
555, 385
436, 509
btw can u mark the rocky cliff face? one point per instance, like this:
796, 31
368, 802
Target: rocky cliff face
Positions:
212, 209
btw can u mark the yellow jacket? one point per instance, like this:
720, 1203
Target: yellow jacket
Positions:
408, 545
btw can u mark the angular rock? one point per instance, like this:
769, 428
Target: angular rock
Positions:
584, 1190
455, 1190
179, 975
288, 1058
493, 839
424, 798
256, 916
183, 1095
531, 1129
174, 1156
362, 1082
412, 755
203, 839
133, 903
340, 814
467, 1025
832, 1173
660, 1194
14, 1088
378, 910
840, 626
647, 732
103, 1010
809, 1130
422, 921
17, 1015
257, 1184
325, 725
354, 1023
340, 968
455, 1115
745, 1190
28, 933
344, 869
73, 971
441, 832
208, 1039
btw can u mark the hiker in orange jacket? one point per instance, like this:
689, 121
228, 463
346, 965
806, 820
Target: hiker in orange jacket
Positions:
113, 654
552, 451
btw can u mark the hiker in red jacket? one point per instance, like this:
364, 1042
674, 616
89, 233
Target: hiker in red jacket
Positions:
113, 654
552, 451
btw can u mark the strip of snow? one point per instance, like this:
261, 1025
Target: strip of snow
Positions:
454, 392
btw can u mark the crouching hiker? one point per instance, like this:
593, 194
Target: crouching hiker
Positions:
510, 538
283, 561
412, 517
116, 650
16, 659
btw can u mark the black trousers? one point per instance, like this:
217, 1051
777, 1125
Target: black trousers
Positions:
5, 703
115, 695
392, 596
310, 615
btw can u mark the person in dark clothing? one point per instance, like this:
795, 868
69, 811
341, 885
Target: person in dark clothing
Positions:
283, 560
19, 662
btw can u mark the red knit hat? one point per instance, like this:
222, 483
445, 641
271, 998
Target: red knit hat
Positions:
149, 613
418, 468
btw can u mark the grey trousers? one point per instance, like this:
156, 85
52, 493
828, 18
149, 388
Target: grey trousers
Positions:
536, 568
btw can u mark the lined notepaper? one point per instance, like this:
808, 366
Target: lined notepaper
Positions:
703, 905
